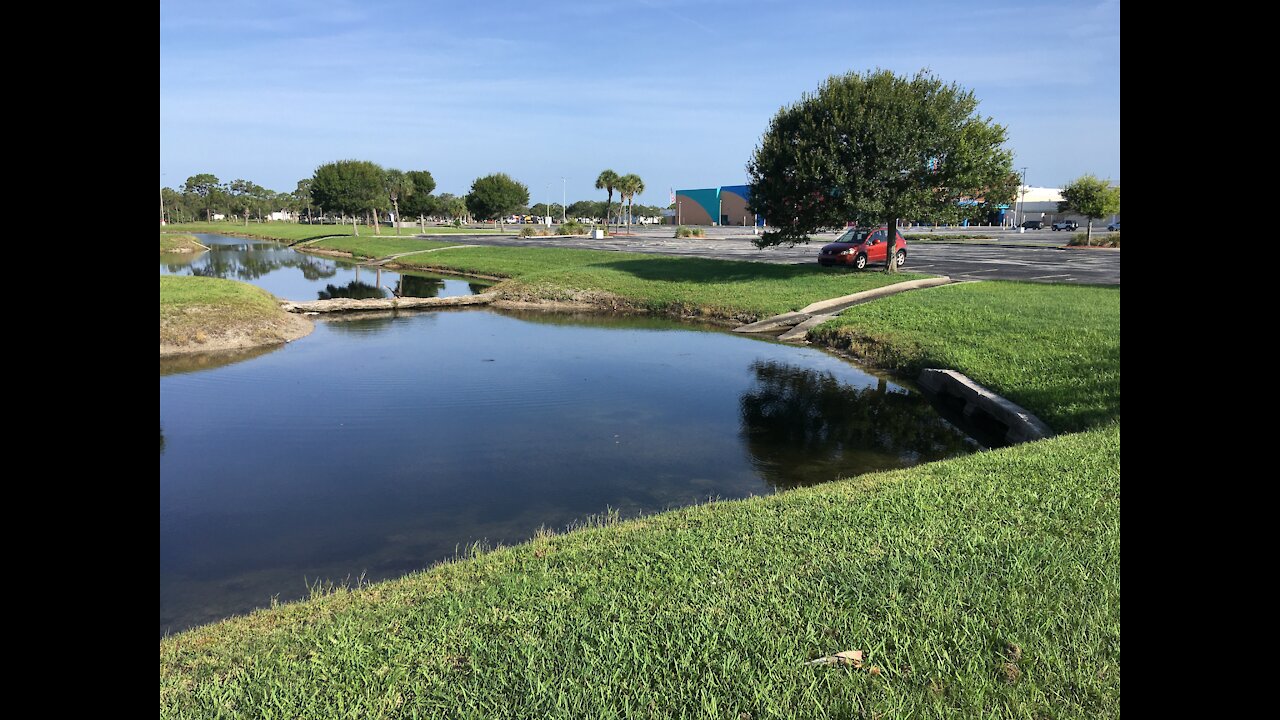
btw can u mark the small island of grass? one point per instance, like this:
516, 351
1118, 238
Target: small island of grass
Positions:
199, 314
175, 243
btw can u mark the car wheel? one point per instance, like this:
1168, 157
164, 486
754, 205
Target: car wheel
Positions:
901, 257
860, 262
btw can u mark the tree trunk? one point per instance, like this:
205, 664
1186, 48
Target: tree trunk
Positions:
377, 223
355, 226
396, 205
1088, 232
208, 215
891, 240
608, 201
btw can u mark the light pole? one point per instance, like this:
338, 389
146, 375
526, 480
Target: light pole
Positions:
548, 196
1022, 201
563, 199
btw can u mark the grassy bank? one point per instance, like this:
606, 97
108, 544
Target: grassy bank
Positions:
177, 243
1054, 349
986, 586
711, 288
291, 232
198, 314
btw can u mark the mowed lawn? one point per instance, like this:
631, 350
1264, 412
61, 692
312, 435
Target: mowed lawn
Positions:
1054, 349
735, 290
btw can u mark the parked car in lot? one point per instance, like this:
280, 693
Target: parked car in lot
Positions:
859, 246
1033, 224
1066, 225
1114, 227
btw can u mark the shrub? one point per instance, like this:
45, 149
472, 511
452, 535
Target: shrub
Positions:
532, 230
1111, 240
683, 231
572, 227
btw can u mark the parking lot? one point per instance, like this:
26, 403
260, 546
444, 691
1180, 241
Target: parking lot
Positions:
1032, 256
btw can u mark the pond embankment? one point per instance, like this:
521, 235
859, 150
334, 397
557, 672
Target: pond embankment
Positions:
199, 314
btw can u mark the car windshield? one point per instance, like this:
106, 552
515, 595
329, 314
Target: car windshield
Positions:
853, 236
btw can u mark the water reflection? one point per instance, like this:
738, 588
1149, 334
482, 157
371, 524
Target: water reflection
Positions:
354, 290
251, 262
419, 287
195, 362
291, 275
804, 426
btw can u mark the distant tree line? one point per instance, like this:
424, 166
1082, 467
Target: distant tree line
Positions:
359, 191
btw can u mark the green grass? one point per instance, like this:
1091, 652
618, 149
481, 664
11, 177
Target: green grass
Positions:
712, 288
196, 309
172, 242
376, 247
1053, 349
985, 586
292, 232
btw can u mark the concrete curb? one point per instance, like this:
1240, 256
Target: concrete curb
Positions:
1022, 426
397, 256
349, 305
828, 308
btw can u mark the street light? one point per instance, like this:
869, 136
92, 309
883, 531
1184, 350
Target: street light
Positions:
1022, 202
563, 199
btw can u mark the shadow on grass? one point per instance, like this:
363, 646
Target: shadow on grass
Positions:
703, 270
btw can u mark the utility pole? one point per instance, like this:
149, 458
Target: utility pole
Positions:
563, 199
1022, 202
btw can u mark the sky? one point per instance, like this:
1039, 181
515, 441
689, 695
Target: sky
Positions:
552, 92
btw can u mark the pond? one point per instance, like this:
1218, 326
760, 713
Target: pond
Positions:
292, 275
379, 446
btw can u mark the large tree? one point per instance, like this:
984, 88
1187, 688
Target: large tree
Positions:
1091, 197
496, 196
348, 186
207, 187
301, 198
421, 203
608, 181
873, 148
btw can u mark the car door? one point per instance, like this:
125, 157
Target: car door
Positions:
876, 246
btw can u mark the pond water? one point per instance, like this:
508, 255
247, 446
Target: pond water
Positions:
292, 275
378, 446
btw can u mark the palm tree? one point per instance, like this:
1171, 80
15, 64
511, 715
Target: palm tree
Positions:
608, 180
399, 185
631, 185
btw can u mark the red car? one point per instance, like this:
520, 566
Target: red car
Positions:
859, 246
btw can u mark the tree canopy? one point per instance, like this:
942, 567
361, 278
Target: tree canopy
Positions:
873, 148
1092, 198
496, 196
421, 202
349, 186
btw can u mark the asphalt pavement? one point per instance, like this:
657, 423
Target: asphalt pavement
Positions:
1034, 255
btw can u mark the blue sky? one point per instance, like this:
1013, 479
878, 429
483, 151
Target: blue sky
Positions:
678, 92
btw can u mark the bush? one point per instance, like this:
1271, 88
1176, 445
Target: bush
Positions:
683, 231
572, 227
457, 223
1111, 240
531, 231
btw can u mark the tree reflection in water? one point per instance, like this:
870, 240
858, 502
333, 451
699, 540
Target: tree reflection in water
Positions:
355, 290
250, 262
419, 287
804, 427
